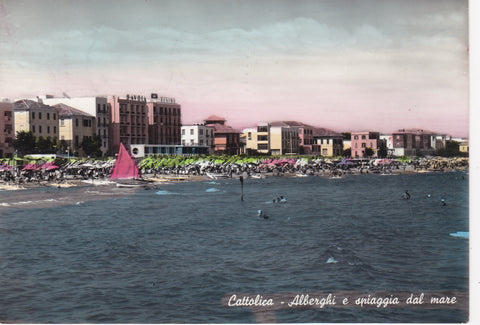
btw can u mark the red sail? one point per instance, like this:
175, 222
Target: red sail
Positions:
125, 166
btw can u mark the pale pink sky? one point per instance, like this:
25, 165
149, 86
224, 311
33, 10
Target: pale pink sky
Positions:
345, 65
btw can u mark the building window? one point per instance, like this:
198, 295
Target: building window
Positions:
263, 128
191, 131
62, 123
48, 129
48, 116
39, 129
54, 129
263, 146
183, 142
364, 137
201, 142
200, 131
33, 128
54, 116
262, 137
183, 131
39, 115
76, 122
355, 137
364, 145
33, 115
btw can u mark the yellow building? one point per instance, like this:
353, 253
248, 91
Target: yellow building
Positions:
40, 119
6, 129
276, 138
464, 146
249, 135
327, 142
75, 127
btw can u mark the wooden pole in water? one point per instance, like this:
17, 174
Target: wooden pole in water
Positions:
241, 182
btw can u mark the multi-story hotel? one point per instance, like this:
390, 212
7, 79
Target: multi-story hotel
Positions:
198, 135
363, 140
75, 126
164, 120
40, 119
93, 105
6, 129
226, 139
129, 121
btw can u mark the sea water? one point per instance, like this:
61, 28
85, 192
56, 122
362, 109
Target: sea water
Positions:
171, 254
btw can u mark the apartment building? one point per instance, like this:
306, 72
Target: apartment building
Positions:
6, 129
276, 138
411, 142
198, 135
75, 126
96, 106
249, 142
164, 120
327, 142
34, 116
363, 140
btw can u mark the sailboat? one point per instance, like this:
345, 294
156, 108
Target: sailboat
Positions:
126, 168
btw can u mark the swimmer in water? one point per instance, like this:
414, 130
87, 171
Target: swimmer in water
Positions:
261, 214
429, 195
443, 202
406, 195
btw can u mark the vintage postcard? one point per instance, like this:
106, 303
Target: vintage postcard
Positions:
234, 161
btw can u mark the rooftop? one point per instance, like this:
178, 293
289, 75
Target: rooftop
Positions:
27, 104
215, 118
220, 128
289, 124
323, 132
68, 111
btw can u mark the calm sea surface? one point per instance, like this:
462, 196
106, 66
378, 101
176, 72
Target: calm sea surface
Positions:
171, 254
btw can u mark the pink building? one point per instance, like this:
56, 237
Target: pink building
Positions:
226, 140
128, 121
363, 140
6, 129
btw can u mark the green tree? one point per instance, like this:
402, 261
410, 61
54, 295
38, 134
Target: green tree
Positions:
24, 142
368, 152
45, 145
91, 146
382, 150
